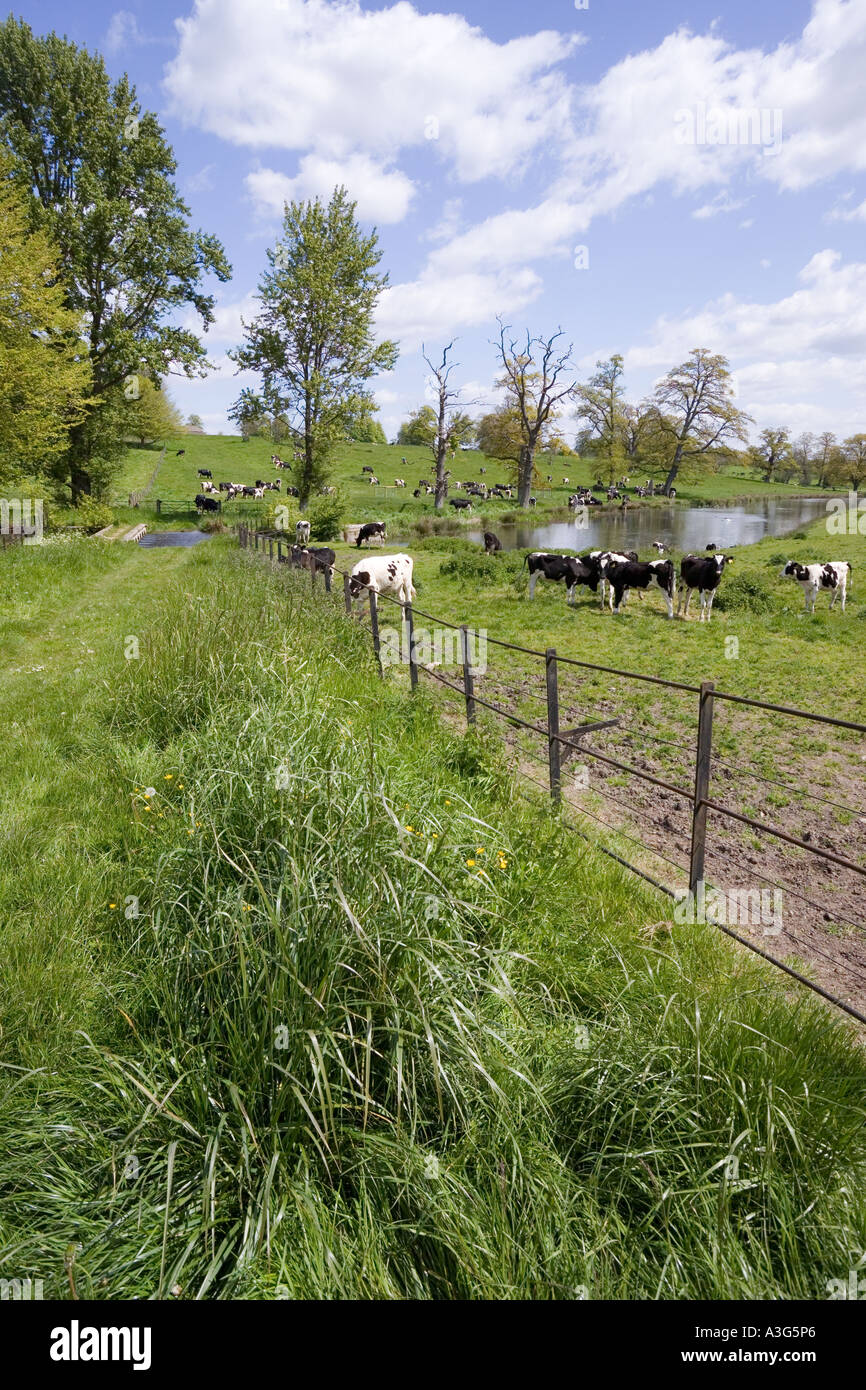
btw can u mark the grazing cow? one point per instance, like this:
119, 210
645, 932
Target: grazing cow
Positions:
374, 481
660, 547
206, 504
180, 453
542, 564
623, 575
302, 532
704, 573
835, 575
399, 482
366, 468
491, 543
533, 501
224, 487
369, 530
258, 492
207, 486
711, 546
205, 473
383, 574
461, 504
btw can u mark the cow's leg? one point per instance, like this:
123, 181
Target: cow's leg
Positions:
669, 600
710, 596
843, 586
533, 580
570, 593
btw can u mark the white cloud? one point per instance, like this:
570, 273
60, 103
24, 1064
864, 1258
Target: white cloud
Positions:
326, 76
383, 195
848, 214
201, 182
435, 306
722, 202
122, 32
801, 358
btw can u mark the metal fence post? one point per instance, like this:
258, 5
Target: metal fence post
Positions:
468, 685
703, 756
374, 624
347, 598
554, 748
413, 664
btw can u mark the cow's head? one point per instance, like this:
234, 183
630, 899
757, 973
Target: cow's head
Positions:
794, 571
358, 583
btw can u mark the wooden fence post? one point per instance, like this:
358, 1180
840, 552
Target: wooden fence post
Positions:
158, 506
311, 565
347, 598
468, 686
271, 549
374, 623
703, 757
554, 748
327, 574
413, 663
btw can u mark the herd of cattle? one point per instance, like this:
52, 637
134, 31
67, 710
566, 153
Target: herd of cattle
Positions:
612, 573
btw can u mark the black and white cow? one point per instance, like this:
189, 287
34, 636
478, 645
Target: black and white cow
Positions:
623, 575
491, 543
204, 473
461, 504
835, 575
543, 564
369, 530
383, 574
604, 559
323, 556
206, 504
302, 532
704, 573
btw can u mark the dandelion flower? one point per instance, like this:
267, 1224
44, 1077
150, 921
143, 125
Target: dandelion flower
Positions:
168, 777
112, 904
470, 863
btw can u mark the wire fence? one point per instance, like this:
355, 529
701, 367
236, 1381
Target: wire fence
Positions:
659, 776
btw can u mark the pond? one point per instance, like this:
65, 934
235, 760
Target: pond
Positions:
186, 538
680, 528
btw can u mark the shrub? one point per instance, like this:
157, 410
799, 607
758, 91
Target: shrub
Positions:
91, 515
476, 567
747, 592
325, 516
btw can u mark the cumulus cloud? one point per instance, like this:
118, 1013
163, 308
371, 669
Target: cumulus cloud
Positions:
329, 77
435, 306
797, 358
383, 195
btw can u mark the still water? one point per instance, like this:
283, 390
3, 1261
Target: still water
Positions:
681, 528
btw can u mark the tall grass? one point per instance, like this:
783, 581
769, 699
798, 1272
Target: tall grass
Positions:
330, 1058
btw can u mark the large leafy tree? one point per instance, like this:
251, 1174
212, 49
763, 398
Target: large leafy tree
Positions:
773, 452
153, 415
695, 410
99, 173
313, 339
537, 378
44, 372
601, 402
420, 428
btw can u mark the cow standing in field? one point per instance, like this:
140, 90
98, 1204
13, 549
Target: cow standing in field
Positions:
302, 532
205, 473
835, 576
491, 543
369, 530
623, 575
704, 573
206, 504
542, 564
605, 558
383, 574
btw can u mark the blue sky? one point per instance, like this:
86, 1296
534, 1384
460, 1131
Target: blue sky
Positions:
592, 168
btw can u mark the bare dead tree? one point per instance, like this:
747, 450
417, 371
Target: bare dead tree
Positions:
451, 424
534, 379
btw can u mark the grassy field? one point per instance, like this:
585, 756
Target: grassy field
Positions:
301, 1000
231, 460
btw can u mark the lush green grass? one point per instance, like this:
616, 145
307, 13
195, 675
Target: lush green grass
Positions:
332, 1057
